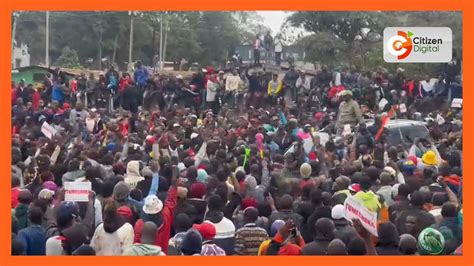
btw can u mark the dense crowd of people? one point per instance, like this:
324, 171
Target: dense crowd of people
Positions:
236, 164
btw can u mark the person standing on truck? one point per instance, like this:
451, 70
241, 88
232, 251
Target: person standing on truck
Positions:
349, 112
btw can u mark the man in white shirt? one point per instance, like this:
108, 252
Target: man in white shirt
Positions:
231, 86
278, 50
303, 84
256, 50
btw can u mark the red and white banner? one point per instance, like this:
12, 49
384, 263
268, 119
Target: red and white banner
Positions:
77, 191
355, 210
48, 130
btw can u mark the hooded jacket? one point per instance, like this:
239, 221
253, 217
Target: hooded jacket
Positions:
387, 243
317, 247
344, 231
453, 224
225, 231
424, 219
369, 199
133, 174
21, 214
143, 250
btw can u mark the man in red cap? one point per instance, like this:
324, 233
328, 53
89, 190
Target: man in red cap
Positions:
208, 232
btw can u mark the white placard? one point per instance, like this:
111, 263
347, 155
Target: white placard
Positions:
440, 120
55, 155
382, 103
308, 145
456, 103
77, 191
403, 108
48, 130
90, 123
355, 210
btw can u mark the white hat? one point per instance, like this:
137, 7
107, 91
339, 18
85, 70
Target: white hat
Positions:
153, 205
179, 77
337, 212
45, 194
181, 167
390, 170
194, 135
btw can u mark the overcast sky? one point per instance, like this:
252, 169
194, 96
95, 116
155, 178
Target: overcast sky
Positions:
273, 19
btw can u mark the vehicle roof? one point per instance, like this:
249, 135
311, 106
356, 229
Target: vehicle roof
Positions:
400, 122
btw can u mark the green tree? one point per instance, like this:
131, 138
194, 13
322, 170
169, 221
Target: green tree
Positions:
322, 47
345, 25
68, 58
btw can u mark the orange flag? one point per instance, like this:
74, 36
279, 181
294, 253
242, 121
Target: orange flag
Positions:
385, 120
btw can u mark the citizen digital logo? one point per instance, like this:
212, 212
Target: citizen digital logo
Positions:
417, 44
425, 40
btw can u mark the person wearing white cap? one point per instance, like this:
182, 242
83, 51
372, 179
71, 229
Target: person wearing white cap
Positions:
343, 229
349, 112
161, 214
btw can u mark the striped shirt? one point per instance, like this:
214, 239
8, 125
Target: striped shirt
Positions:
248, 239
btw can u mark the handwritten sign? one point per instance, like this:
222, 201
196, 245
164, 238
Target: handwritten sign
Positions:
456, 103
355, 210
77, 191
48, 130
403, 108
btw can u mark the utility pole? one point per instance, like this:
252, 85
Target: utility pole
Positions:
15, 15
46, 57
161, 41
164, 44
130, 46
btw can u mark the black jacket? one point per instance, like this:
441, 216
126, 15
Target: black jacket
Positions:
317, 247
344, 231
424, 219
319, 212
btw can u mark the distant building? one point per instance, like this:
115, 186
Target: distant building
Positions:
21, 56
36, 74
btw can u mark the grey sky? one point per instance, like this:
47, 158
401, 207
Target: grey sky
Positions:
273, 19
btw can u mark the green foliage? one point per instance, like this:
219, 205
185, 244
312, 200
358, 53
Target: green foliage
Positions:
323, 47
68, 59
339, 30
205, 37
345, 25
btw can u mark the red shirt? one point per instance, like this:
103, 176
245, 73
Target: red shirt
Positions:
123, 84
14, 96
15, 193
163, 233
74, 85
334, 91
36, 100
